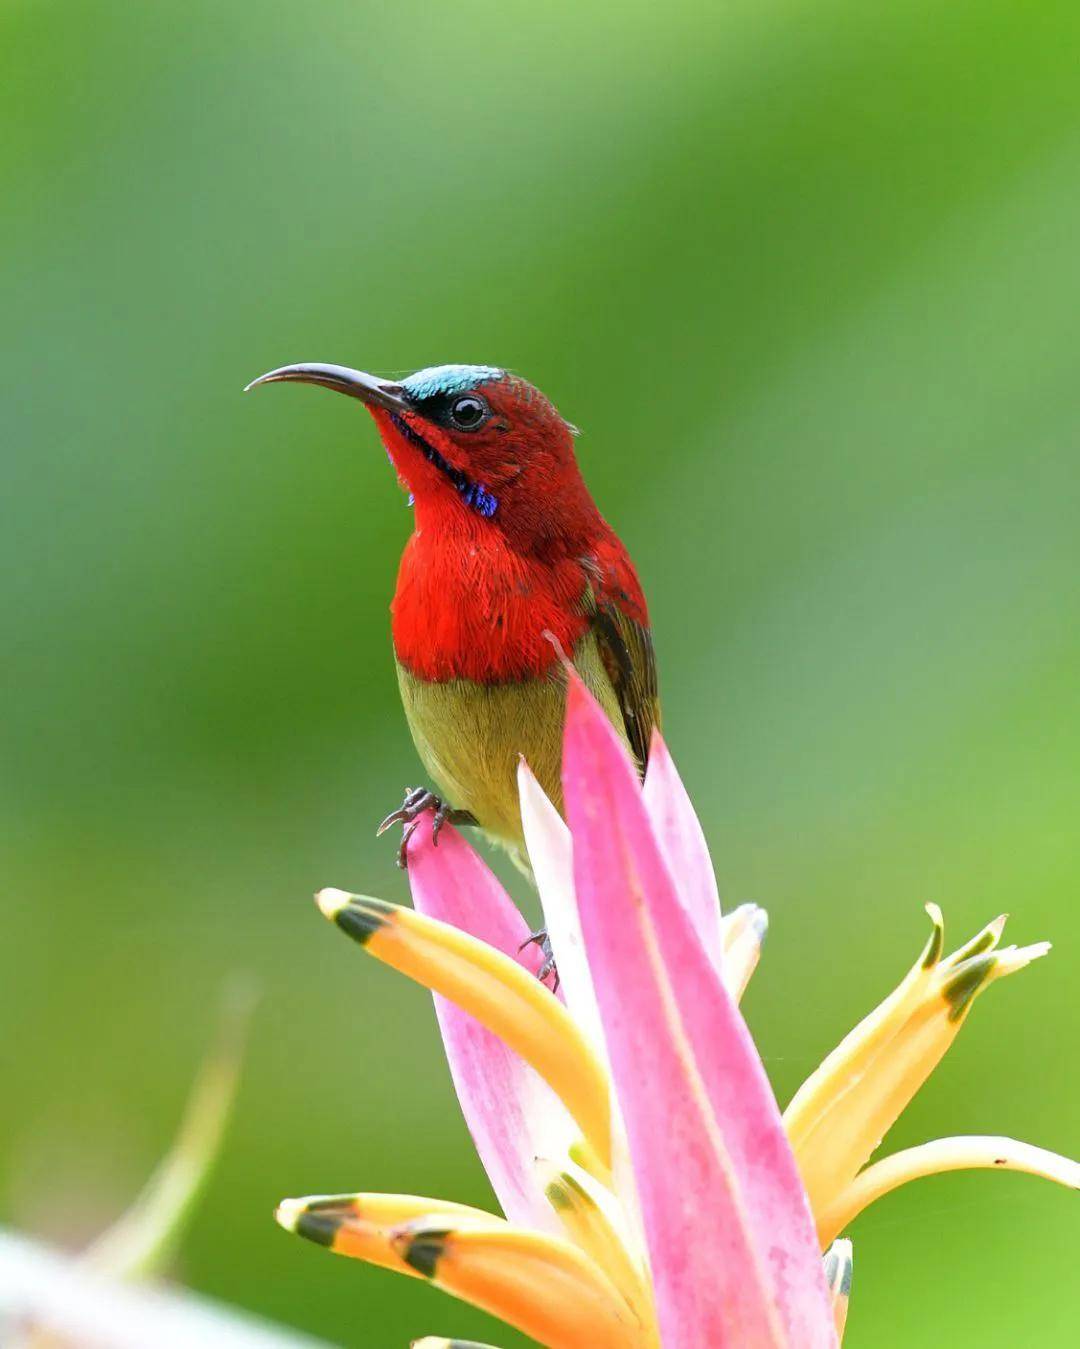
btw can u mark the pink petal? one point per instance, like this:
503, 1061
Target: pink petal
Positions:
512, 1114
682, 840
730, 1238
551, 854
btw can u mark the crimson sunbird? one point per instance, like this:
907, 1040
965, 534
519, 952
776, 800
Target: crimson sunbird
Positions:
510, 570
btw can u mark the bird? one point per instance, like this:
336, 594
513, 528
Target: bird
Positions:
510, 572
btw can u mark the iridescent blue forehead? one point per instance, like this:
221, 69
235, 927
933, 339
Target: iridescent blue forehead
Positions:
449, 379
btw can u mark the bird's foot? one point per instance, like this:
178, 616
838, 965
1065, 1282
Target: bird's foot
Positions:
417, 801
541, 939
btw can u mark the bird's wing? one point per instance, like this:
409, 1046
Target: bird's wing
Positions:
626, 647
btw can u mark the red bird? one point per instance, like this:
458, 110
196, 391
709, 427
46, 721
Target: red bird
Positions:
510, 564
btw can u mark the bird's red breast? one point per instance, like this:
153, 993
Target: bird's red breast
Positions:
470, 605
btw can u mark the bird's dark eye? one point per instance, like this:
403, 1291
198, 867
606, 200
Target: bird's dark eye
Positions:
468, 412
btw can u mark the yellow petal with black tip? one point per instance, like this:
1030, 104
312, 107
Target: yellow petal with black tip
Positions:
841, 1113
838, 1265
541, 1285
944, 1154
590, 1218
360, 1225
497, 991
818, 1094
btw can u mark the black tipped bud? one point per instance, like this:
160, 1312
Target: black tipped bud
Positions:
424, 1252
934, 946
966, 982
321, 1228
362, 918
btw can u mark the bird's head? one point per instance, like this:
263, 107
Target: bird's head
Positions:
469, 442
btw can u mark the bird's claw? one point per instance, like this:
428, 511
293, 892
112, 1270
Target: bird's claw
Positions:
541, 939
417, 801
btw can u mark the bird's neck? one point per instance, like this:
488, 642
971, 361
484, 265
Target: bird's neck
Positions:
473, 604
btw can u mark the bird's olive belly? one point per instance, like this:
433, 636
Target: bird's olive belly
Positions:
470, 736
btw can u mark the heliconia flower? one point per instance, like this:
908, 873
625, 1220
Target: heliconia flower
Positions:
652, 1192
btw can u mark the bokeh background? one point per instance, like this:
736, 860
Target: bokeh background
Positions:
808, 277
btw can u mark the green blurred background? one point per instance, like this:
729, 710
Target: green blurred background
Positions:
809, 279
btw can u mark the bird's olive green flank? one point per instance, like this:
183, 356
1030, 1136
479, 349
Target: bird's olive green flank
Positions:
501, 994
470, 736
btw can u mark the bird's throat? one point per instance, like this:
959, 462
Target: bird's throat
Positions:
474, 494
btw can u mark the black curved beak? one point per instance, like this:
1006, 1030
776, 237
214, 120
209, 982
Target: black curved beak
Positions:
378, 392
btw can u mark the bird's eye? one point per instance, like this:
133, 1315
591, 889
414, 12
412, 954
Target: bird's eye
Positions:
468, 412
